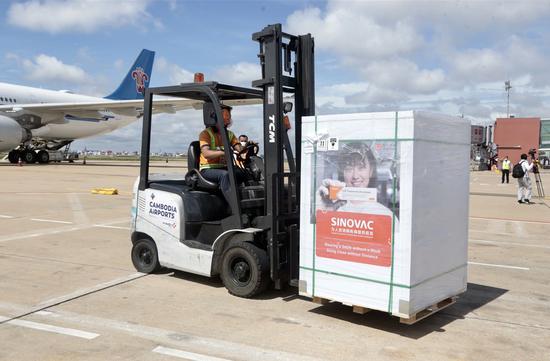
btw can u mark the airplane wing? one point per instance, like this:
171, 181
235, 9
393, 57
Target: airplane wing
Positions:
55, 112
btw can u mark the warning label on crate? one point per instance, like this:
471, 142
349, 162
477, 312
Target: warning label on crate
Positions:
354, 237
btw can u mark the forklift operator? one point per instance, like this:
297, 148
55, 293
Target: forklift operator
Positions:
213, 165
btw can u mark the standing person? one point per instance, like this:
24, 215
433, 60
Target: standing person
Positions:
506, 166
524, 182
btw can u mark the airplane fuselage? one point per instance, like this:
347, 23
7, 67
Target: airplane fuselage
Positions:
60, 126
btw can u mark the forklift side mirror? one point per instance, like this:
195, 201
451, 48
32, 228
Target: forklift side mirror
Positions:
287, 107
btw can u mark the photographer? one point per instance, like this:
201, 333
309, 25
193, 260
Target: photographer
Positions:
524, 182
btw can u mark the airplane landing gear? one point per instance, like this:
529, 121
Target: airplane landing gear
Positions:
43, 157
29, 156
13, 156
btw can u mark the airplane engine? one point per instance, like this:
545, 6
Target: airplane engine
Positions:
11, 134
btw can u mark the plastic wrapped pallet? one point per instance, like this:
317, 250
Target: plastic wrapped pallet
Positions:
384, 209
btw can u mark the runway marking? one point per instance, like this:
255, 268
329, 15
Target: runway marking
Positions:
39, 193
499, 266
79, 213
510, 243
186, 355
72, 296
85, 291
484, 184
44, 313
114, 227
50, 220
6, 217
51, 328
48, 232
509, 220
178, 339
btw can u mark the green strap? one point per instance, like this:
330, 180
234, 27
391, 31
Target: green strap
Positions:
394, 186
343, 275
314, 210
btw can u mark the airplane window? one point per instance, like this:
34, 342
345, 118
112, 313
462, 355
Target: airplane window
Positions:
9, 100
1, 98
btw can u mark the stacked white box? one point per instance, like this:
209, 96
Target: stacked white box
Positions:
414, 252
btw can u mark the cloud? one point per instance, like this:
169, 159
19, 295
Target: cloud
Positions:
49, 68
57, 16
404, 75
174, 72
236, 74
242, 73
431, 54
354, 35
375, 95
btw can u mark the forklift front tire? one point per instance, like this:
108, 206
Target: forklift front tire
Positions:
145, 256
245, 270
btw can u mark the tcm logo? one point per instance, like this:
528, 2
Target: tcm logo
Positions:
271, 129
141, 78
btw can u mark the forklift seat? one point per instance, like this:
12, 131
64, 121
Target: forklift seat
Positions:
194, 177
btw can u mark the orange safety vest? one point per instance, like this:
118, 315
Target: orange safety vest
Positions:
215, 142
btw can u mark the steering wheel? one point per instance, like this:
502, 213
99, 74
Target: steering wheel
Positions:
244, 154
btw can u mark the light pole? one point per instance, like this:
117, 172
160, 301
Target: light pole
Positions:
507, 87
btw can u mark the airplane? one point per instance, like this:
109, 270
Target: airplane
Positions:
36, 123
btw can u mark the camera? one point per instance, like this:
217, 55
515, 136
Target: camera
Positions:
532, 152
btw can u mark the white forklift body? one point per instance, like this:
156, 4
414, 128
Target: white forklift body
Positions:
160, 215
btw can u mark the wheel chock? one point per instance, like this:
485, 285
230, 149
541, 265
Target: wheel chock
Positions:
105, 191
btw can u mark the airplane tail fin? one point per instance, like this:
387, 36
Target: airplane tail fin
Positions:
137, 80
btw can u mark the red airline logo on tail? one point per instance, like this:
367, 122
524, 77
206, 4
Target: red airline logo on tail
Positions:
141, 78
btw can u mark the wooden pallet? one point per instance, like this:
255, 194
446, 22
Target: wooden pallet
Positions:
429, 310
356, 309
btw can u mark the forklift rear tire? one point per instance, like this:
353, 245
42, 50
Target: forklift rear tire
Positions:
245, 270
145, 256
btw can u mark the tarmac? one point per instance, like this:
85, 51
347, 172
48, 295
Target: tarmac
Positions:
69, 291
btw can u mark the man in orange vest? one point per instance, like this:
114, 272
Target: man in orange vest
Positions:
213, 165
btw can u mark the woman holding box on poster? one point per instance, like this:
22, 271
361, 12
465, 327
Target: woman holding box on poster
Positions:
354, 221
357, 185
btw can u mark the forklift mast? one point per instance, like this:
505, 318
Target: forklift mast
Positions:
287, 63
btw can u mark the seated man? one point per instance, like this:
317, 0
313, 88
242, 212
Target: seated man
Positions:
213, 165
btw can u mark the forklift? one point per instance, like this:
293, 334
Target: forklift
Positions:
186, 223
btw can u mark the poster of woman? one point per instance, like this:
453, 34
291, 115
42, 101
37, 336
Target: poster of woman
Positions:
357, 201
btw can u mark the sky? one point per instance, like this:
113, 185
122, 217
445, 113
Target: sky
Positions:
446, 56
